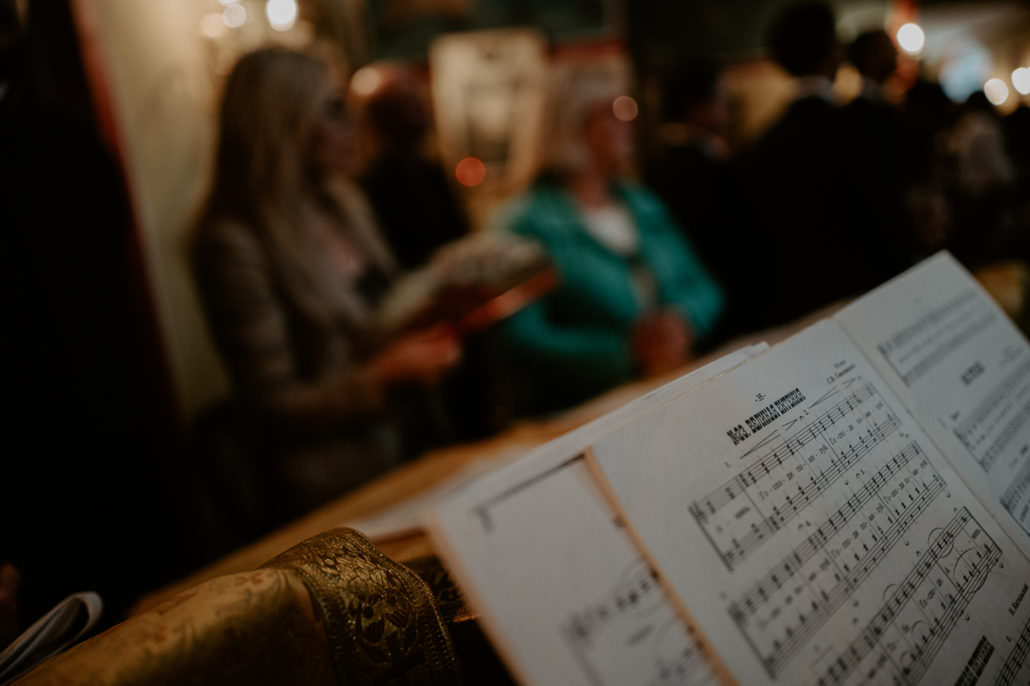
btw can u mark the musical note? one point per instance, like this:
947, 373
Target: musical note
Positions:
744, 512
944, 580
992, 425
1016, 659
921, 345
906, 474
635, 612
637, 591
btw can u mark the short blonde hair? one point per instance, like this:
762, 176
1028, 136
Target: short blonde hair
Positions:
576, 93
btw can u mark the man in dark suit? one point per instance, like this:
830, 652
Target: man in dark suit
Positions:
694, 174
811, 241
876, 136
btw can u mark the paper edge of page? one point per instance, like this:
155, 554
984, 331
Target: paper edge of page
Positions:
541, 457
538, 460
441, 542
718, 665
942, 256
371, 525
596, 470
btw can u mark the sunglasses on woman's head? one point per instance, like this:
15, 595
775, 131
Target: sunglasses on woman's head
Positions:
335, 109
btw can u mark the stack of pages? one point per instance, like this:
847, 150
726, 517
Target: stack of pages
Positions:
60, 628
849, 506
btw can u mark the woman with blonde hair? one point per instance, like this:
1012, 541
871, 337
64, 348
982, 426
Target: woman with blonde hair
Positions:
633, 299
290, 268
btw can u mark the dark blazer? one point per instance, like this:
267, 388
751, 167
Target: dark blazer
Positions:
810, 232
294, 353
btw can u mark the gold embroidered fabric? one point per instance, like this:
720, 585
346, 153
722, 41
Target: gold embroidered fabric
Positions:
447, 597
380, 618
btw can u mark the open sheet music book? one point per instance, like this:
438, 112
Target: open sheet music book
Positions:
849, 506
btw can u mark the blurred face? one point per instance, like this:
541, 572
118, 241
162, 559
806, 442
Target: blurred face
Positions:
884, 59
609, 140
333, 147
713, 114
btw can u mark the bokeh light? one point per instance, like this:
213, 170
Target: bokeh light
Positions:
282, 14
911, 38
470, 172
1021, 80
964, 74
625, 108
996, 91
366, 81
212, 25
234, 15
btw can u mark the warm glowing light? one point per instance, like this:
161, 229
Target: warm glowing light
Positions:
470, 172
911, 38
282, 14
625, 108
234, 15
1021, 80
848, 82
366, 81
996, 91
212, 25
228, 2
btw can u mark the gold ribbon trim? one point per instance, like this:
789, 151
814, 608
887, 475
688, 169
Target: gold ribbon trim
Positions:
380, 617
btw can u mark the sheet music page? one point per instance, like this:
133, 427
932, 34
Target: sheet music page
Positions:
954, 357
813, 533
562, 591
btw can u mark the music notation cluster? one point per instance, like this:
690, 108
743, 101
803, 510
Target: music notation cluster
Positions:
919, 347
1016, 658
636, 613
902, 639
992, 425
906, 338
688, 668
785, 608
637, 591
741, 514
1016, 498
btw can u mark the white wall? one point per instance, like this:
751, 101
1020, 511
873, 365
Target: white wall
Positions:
163, 74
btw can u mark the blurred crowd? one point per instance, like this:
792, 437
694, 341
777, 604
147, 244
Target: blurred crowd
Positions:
836, 196
660, 257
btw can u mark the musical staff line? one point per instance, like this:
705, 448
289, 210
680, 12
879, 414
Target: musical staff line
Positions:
817, 591
929, 320
637, 586
930, 361
683, 669
1015, 500
1016, 659
764, 442
634, 612
938, 325
742, 513
482, 509
825, 396
979, 429
913, 624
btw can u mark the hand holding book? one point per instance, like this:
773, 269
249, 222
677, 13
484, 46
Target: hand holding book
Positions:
469, 285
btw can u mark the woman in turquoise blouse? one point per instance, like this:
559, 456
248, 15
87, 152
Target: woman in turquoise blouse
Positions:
633, 298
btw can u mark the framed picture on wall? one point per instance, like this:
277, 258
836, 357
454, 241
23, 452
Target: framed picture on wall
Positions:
489, 94
405, 29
